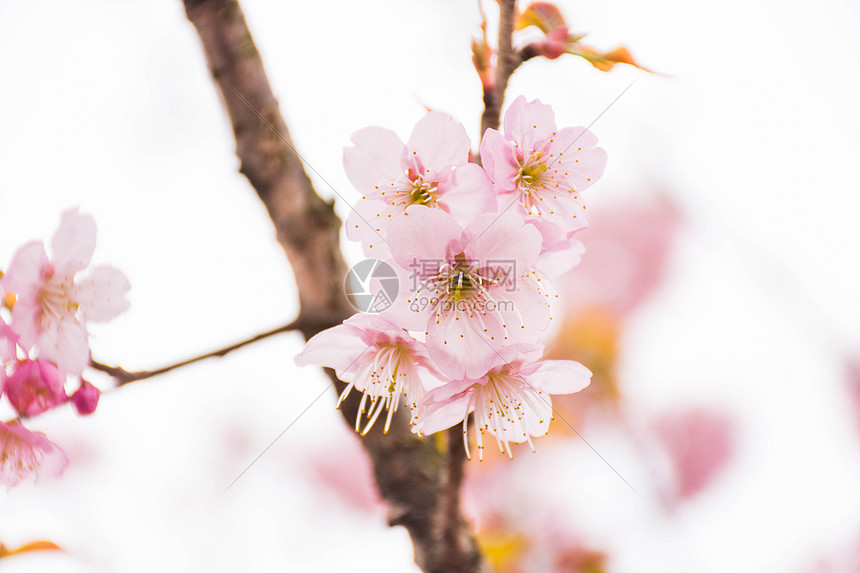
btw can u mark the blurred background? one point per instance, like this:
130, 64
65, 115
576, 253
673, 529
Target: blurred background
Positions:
717, 303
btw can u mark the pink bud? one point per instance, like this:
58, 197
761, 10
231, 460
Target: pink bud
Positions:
556, 43
35, 386
86, 398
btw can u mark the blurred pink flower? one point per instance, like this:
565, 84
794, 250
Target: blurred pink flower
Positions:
699, 443
86, 398
852, 372
555, 43
628, 249
24, 453
35, 386
345, 470
53, 305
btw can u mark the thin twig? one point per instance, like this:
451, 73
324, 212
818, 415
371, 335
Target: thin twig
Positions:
124, 376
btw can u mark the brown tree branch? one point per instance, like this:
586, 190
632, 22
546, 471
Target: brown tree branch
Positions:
507, 61
124, 376
422, 491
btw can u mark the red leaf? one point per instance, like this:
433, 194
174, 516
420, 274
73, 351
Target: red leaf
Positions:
544, 15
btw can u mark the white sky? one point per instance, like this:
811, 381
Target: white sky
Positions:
108, 105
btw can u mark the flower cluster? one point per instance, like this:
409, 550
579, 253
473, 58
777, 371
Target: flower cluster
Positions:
474, 249
44, 342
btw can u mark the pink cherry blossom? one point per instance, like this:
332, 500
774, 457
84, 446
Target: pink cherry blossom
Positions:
538, 169
377, 358
629, 248
86, 398
431, 169
53, 304
35, 386
698, 443
470, 290
511, 401
24, 453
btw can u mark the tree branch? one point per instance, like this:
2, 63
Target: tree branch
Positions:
421, 490
124, 376
507, 61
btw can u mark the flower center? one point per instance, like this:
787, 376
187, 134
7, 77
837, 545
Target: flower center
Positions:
462, 279
503, 407
56, 301
423, 192
387, 377
531, 170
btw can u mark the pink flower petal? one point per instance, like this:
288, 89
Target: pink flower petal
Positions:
66, 344
516, 355
374, 160
444, 414
8, 344
438, 142
27, 270
467, 194
460, 347
101, 296
499, 157
27, 321
524, 311
556, 263
583, 162
529, 123
557, 376
502, 237
447, 391
73, 243
339, 347
411, 309
366, 216
423, 234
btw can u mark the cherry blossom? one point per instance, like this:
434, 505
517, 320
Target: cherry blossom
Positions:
511, 401
86, 398
431, 169
537, 169
469, 290
53, 304
698, 443
35, 386
377, 358
24, 453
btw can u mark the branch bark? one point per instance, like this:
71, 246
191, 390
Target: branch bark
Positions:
420, 482
124, 376
507, 61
